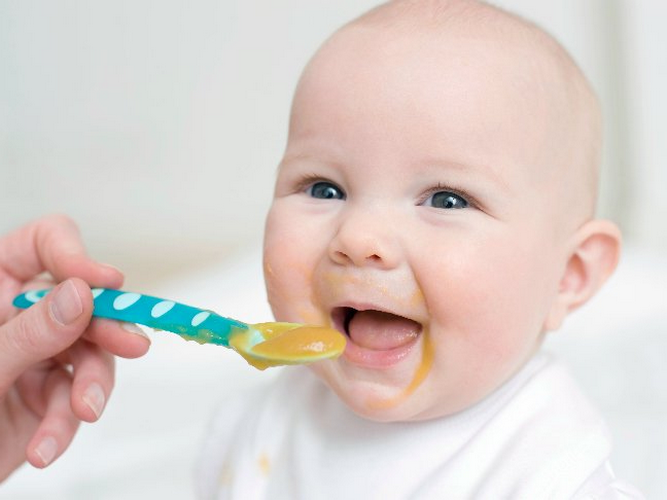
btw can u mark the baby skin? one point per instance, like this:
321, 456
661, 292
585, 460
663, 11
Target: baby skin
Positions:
437, 192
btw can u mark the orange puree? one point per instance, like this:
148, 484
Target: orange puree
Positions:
288, 344
419, 376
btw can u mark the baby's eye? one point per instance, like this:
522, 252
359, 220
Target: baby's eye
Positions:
326, 191
446, 199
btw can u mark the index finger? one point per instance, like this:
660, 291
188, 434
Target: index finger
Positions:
53, 244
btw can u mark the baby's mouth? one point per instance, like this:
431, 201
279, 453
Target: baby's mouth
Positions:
377, 338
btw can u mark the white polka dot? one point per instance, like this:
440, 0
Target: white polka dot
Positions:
34, 295
200, 318
97, 292
126, 300
161, 308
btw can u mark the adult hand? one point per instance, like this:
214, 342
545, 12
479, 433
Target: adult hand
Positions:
56, 366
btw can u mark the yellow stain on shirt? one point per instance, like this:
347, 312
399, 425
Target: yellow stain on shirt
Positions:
264, 463
226, 475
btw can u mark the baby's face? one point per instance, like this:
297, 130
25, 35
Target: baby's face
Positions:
411, 214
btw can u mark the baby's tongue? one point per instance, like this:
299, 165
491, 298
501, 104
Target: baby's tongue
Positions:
381, 331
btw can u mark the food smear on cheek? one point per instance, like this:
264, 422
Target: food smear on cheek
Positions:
311, 316
420, 374
338, 283
416, 299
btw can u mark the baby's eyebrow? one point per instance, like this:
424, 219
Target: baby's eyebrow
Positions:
481, 170
305, 157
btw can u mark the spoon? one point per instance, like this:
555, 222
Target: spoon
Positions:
262, 344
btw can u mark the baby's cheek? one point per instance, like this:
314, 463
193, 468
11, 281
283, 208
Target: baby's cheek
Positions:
292, 251
289, 289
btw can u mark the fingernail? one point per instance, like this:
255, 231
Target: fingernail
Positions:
133, 328
46, 450
66, 304
94, 398
112, 267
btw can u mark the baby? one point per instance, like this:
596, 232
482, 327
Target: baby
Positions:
436, 204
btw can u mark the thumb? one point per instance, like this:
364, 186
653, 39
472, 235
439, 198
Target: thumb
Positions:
44, 330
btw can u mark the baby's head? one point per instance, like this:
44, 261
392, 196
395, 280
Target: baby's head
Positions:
436, 203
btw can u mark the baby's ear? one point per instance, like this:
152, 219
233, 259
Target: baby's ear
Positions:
594, 254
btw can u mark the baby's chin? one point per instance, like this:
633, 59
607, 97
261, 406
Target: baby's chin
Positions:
380, 400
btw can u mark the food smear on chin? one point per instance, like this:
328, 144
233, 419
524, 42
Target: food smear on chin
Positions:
420, 374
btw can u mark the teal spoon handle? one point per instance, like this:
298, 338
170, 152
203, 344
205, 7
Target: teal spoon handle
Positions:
189, 322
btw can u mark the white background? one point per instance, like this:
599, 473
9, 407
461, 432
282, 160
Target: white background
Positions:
158, 125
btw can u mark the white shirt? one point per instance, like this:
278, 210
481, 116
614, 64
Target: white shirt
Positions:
536, 437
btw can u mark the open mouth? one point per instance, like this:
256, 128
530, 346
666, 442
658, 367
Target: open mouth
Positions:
377, 338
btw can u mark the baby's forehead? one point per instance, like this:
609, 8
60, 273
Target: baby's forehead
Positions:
459, 82
476, 40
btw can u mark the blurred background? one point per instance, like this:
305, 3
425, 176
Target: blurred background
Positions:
157, 126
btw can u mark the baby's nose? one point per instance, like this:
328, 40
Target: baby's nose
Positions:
363, 239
